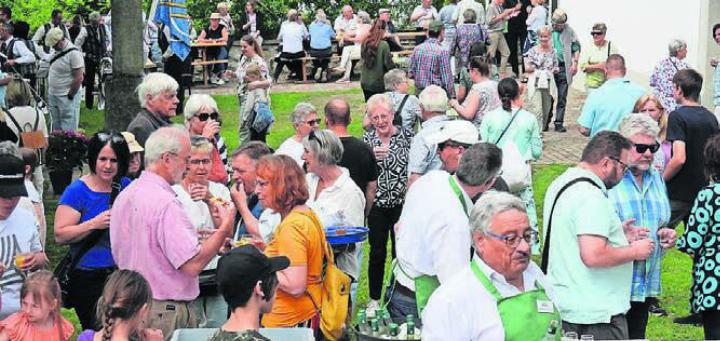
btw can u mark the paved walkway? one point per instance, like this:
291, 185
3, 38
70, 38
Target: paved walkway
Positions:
558, 147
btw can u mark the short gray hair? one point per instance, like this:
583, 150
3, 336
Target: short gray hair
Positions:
490, 204
559, 16
433, 99
164, 140
364, 17
199, 143
9, 148
329, 150
379, 100
301, 110
636, 123
393, 78
544, 29
196, 102
676, 45
154, 84
479, 164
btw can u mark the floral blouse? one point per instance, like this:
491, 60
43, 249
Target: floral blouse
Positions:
392, 170
701, 241
542, 60
244, 63
489, 99
466, 35
661, 80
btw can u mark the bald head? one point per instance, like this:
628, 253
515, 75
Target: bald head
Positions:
615, 66
337, 112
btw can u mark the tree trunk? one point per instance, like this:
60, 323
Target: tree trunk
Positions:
128, 61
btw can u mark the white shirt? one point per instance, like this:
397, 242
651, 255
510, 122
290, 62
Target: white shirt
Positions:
463, 6
292, 35
342, 24
480, 318
342, 204
293, 149
434, 233
429, 14
198, 211
25, 117
83, 35
21, 53
18, 235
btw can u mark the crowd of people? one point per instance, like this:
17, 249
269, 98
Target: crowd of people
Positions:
170, 230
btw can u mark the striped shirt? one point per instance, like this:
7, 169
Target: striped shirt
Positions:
430, 64
650, 207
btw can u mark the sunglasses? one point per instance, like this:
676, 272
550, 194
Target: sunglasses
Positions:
624, 165
116, 138
313, 122
204, 116
597, 33
642, 148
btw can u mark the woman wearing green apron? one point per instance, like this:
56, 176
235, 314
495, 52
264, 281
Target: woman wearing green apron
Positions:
501, 295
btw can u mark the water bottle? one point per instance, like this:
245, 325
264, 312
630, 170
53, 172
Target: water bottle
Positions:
393, 331
386, 318
375, 327
362, 322
411, 330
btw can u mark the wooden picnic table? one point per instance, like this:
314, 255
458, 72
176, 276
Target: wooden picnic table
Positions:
202, 52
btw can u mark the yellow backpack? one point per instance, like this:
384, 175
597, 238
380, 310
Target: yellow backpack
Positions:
335, 293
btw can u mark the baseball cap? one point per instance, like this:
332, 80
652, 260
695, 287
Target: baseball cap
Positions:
383, 10
215, 15
132, 143
435, 26
12, 176
459, 131
53, 36
599, 27
239, 270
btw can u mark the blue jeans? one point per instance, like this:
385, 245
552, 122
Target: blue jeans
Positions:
399, 304
65, 113
211, 311
222, 53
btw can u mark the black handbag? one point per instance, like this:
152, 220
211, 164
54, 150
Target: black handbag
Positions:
208, 283
69, 262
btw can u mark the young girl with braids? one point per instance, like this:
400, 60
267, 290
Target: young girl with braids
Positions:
39, 318
123, 308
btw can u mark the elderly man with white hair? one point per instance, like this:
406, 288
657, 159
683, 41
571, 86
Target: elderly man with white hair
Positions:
158, 98
65, 75
641, 196
433, 242
304, 119
661, 79
423, 153
501, 293
151, 233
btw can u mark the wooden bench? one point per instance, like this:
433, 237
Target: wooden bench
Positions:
203, 46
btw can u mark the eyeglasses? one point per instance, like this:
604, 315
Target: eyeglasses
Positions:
453, 144
513, 240
642, 148
624, 165
198, 162
313, 122
115, 137
313, 137
597, 33
204, 116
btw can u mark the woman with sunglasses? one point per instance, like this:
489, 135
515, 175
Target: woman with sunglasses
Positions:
641, 197
593, 57
651, 105
203, 119
82, 219
305, 120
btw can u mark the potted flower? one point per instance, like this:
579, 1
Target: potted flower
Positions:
66, 151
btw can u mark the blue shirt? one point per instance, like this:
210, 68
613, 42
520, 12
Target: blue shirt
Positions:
321, 35
81, 198
650, 207
609, 104
256, 211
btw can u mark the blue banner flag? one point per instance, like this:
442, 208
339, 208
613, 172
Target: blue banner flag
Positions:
173, 14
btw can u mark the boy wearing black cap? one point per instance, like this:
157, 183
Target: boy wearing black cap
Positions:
247, 280
18, 233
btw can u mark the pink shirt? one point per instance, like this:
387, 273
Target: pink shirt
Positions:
151, 234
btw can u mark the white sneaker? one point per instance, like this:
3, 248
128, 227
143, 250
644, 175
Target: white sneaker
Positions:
219, 81
373, 305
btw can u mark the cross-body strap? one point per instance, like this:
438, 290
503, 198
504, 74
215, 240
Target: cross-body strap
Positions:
402, 105
14, 121
609, 47
546, 246
61, 54
508, 126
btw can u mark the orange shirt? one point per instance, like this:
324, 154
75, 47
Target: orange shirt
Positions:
298, 238
18, 327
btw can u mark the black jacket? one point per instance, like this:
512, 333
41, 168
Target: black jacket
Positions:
260, 22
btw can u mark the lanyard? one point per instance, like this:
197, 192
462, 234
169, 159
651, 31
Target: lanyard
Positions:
459, 193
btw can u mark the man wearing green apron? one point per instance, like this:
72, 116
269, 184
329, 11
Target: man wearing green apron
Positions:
432, 238
501, 294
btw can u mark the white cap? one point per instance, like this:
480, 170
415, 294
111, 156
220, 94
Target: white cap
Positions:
459, 131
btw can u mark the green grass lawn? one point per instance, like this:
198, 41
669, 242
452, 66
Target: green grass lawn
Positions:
676, 266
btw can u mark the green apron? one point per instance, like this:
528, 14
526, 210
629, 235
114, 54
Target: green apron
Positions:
425, 285
526, 316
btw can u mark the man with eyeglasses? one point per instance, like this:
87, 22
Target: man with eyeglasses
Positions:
304, 119
501, 292
589, 251
158, 98
151, 233
606, 107
641, 198
432, 239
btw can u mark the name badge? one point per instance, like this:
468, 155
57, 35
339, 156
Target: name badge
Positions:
544, 306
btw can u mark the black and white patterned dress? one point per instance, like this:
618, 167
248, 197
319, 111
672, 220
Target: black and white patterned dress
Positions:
392, 170
701, 240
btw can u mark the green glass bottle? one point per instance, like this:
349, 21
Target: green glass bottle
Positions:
393, 331
375, 327
411, 330
362, 322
